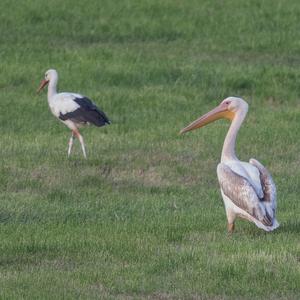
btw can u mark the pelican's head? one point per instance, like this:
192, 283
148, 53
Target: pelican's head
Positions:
50, 75
227, 109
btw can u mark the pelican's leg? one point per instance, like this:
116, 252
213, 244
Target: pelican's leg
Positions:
71, 143
230, 227
81, 142
230, 219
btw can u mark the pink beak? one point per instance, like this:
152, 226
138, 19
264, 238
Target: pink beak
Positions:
221, 111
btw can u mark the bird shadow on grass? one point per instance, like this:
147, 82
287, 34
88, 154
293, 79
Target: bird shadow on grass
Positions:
285, 227
81, 162
291, 226
251, 231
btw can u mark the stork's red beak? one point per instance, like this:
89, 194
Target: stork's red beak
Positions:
44, 82
221, 111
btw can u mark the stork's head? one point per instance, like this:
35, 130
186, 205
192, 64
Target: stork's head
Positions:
227, 109
50, 75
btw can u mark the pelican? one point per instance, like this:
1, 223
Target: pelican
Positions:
248, 189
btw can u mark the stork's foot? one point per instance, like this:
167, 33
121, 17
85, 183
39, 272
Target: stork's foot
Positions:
70, 144
80, 138
230, 228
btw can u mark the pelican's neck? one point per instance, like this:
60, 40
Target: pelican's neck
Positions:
52, 86
228, 151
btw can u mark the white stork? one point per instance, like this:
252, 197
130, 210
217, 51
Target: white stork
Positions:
248, 189
74, 110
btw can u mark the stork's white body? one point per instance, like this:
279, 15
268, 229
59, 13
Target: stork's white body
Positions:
64, 103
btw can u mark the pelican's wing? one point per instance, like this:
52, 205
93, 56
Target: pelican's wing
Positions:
268, 186
238, 189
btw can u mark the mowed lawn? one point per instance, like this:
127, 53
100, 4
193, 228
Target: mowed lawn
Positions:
142, 217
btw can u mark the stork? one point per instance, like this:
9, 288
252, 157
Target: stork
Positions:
74, 110
248, 189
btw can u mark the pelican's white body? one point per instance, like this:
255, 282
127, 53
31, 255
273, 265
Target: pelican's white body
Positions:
248, 171
251, 173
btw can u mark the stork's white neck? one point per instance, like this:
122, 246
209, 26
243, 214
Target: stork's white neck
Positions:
228, 151
52, 86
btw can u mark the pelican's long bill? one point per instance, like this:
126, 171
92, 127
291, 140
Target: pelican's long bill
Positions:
44, 82
221, 111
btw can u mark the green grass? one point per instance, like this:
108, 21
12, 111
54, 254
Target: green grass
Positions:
142, 217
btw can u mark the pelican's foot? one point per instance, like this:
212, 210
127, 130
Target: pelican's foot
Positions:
230, 228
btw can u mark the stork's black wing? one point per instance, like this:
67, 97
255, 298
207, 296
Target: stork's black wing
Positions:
87, 112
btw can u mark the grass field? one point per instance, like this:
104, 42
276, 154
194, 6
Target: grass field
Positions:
142, 217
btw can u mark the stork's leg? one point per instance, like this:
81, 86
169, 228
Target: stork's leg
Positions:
81, 142
82, 145
71, 143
